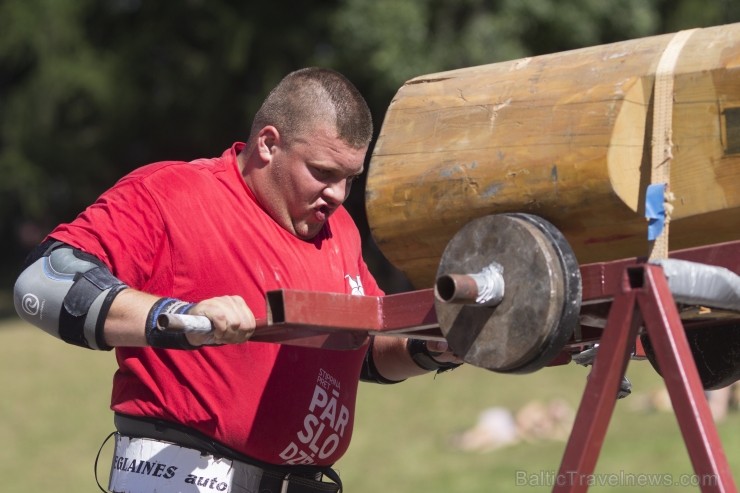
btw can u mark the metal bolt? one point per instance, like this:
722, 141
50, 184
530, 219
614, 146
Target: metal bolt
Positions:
484, 288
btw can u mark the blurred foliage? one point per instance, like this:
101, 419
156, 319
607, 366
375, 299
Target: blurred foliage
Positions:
90, 89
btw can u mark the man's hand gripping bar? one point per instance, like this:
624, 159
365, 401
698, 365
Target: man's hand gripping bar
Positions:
173, 322
195, 324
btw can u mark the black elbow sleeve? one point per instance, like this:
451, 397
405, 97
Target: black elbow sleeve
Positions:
67, 293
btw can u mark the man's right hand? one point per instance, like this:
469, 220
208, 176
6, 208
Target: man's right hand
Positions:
233, 322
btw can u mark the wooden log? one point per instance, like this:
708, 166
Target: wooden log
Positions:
565, 136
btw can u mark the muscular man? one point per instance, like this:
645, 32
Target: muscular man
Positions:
210, 237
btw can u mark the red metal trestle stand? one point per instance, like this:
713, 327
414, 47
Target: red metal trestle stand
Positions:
644, 299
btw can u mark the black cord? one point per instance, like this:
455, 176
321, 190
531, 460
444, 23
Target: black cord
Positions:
95, 470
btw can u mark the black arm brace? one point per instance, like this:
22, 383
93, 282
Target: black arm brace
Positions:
418, 351
67, 293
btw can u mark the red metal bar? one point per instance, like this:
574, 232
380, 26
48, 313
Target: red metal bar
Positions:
342, 321
327, 311
318, 319
408, 314
599, 396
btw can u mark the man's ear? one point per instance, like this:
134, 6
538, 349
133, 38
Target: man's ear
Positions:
267, 140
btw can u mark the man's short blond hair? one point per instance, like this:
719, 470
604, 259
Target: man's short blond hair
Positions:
316, 95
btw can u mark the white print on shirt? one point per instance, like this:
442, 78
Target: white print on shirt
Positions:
324, 424
355, 284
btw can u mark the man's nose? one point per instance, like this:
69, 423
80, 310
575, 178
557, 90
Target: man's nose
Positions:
335, 193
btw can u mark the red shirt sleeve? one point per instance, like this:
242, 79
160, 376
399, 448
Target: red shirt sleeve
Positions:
123, 228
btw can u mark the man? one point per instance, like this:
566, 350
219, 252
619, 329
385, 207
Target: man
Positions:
211, 237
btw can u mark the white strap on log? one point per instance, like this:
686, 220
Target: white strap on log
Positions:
662, 143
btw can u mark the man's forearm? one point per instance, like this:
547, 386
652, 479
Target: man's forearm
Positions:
395, 362
126, 319
392, 359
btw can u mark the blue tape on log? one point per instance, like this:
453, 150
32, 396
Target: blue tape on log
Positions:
655, 209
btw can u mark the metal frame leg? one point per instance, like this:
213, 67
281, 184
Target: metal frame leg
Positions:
644, 296
684, 386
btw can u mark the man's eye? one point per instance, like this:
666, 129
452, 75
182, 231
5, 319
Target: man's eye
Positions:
321, 172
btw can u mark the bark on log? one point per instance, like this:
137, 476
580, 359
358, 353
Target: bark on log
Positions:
565, 136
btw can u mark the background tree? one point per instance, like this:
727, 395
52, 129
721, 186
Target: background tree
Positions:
91, 89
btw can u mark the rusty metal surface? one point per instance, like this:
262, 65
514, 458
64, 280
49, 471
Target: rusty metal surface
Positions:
457, 288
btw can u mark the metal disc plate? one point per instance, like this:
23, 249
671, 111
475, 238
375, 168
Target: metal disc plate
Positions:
541, 301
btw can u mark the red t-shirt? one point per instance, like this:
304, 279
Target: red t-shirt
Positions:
193, 231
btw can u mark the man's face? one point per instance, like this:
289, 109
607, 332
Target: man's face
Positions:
305, 182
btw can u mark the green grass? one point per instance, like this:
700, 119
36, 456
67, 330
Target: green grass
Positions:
54, 415
53, 412
401, 438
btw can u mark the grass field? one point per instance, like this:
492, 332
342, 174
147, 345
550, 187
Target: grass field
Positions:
54, 416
